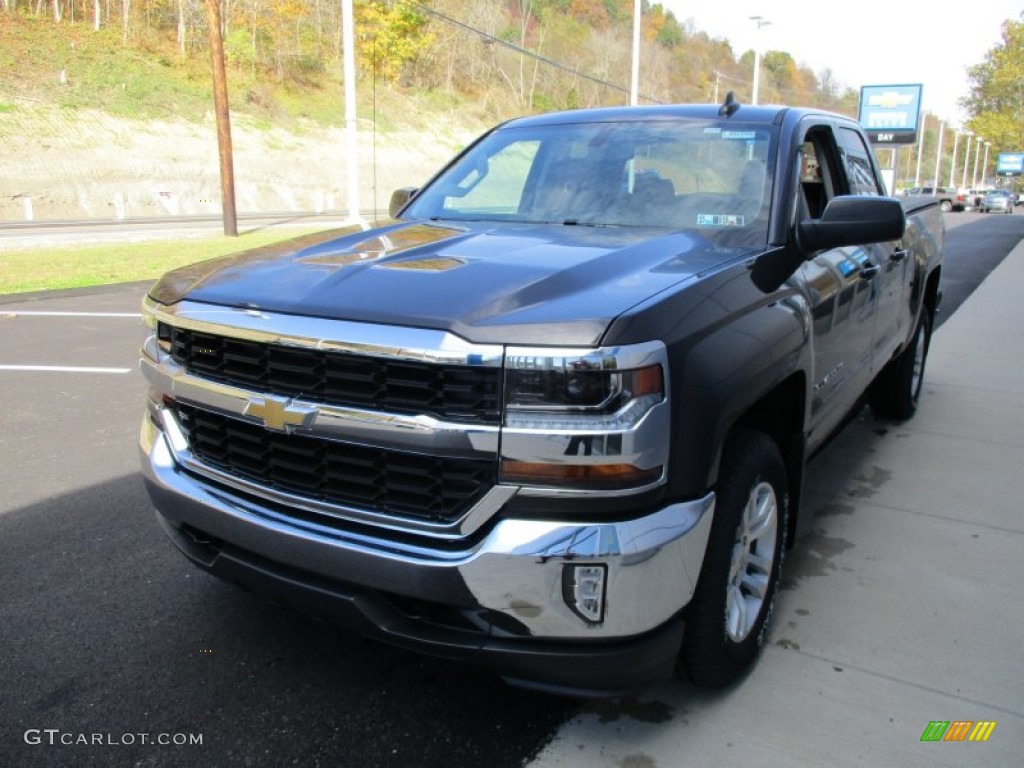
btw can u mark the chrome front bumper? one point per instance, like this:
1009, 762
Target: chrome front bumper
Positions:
516, 570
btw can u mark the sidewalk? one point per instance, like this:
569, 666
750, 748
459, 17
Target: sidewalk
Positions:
901, 602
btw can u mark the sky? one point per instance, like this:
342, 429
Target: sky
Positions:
897, 42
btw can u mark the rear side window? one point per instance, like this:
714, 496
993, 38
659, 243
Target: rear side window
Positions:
859, 169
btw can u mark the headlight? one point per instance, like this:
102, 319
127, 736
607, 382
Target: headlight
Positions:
157, 345
585, 420
575, 384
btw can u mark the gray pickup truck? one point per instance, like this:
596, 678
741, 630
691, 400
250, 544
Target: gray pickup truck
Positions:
949, 199
553, 418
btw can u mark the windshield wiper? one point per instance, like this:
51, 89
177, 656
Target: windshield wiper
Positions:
579, 223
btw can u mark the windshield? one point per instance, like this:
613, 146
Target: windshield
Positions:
674, 174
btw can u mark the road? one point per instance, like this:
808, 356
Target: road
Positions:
35, 234
110, 640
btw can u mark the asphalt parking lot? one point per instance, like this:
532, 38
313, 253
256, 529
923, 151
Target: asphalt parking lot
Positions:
899, 605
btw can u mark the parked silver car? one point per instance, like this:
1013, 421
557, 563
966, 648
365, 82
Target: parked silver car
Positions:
997, 201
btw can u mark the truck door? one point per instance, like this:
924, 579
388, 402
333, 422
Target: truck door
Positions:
892, 319
842, 290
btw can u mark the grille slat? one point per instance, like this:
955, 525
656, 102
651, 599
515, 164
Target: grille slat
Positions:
388, 482
463, 392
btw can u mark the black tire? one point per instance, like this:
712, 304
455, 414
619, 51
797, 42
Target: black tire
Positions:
897, 390
722, 640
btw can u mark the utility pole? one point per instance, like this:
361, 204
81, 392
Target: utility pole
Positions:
220, 100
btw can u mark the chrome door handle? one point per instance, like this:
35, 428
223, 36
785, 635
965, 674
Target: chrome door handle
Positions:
868, 271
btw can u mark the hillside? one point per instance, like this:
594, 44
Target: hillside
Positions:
118, 120
90, 128
88, 163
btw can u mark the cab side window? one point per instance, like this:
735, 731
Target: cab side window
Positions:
819, 180
812, 184
859, 169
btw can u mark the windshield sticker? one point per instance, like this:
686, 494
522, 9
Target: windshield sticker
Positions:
719, 220
739, 135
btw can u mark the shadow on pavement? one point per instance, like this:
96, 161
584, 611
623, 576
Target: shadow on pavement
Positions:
108, 630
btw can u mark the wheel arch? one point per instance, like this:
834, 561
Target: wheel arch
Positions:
780, 413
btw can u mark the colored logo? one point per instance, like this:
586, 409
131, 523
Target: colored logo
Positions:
958, 730
279, 414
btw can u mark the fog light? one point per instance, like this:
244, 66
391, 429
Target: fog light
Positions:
583, 591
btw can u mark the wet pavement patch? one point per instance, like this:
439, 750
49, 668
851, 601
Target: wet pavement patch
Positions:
836, 508
637, 761
871, 481
813, 556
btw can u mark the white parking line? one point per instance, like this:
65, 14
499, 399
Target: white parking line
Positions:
63, 369
30, 313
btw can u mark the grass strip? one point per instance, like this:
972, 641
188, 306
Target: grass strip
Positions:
51, 268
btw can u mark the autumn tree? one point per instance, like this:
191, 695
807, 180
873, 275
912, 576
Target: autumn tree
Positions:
995, 101
389, 37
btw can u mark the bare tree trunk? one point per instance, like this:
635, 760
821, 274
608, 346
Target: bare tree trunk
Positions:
56, 11
181, 27
524, 24
252, 62
96, 15
536, 70
126, 7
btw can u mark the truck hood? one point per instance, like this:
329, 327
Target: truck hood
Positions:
489, 283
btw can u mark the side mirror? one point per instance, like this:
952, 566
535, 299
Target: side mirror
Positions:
847, 220
399, 199
852, 220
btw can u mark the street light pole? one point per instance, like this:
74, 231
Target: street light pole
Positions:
938, 157
967, 157
634, 80
920, 150
348, 44
984, 164
952, 160
977, 151
761, 22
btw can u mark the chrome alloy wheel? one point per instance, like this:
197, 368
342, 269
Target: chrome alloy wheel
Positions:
752, 558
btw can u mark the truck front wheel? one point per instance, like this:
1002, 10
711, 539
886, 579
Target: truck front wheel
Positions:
727, 619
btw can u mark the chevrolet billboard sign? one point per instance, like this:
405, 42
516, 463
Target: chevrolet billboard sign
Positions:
890, 113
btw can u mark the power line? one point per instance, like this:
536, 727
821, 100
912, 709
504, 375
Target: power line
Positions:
491, 39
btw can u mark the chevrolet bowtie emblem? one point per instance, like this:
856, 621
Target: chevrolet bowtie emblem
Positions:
279, 413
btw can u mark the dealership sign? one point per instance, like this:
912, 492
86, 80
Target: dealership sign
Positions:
1010, 164
890, 113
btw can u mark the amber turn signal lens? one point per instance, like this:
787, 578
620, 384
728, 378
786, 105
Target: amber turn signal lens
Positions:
582, 476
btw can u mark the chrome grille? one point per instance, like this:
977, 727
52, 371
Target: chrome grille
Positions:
464, 393
389, 482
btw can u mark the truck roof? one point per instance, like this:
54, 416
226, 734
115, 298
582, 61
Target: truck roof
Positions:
746, 113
